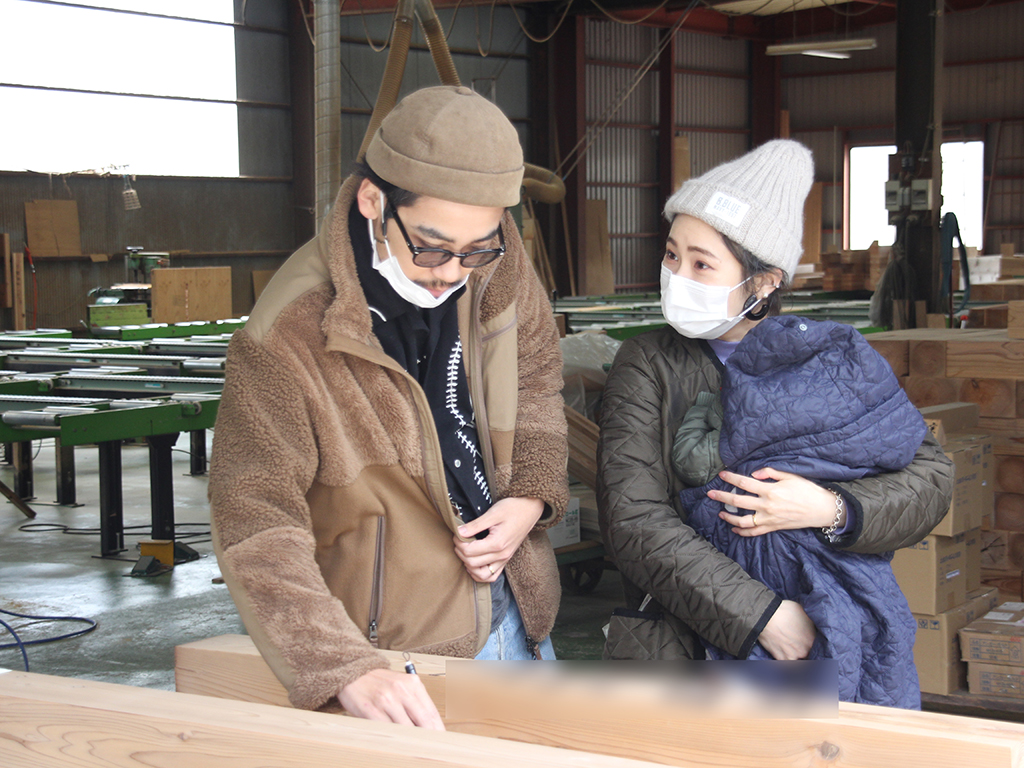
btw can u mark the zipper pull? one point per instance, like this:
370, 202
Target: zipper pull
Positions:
373, 633
532, 647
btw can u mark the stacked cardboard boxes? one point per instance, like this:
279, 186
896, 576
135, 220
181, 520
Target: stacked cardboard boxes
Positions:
993, 647
941, 576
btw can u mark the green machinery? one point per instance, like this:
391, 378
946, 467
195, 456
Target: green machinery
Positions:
103, 393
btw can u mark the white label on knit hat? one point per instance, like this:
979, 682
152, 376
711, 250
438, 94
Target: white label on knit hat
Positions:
727, 208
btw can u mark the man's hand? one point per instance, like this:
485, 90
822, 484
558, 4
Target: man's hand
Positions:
788, 503
789, 634
391, 697
507, 523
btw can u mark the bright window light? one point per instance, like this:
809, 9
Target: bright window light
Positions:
963, 177
136, 62
962, 192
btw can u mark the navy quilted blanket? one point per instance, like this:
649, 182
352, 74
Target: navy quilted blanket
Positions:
814, 399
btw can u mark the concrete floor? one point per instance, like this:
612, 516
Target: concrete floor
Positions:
141, 620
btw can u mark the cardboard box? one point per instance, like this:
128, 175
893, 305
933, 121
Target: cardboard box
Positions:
950, 417
995, 679
965, 510
997, 637
972, 558
937, 647
567, 531
988, 471
933, 573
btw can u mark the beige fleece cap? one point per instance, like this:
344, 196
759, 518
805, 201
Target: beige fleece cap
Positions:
757, 200
450, 143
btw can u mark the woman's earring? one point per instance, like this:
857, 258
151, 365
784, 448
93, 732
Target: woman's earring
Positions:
760, 313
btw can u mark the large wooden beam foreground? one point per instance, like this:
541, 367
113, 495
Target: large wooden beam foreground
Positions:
230, 667
57, 722
861, 736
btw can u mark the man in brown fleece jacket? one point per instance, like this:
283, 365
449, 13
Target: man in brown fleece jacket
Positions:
390, 445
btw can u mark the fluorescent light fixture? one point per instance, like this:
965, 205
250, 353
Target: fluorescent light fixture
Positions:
828, 49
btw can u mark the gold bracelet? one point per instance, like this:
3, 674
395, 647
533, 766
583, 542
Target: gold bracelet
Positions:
830, 532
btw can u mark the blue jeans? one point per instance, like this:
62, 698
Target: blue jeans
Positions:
508, 641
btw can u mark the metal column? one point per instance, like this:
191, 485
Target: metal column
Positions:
65, 466
919, 134
111, 503
23, 485
197, 452
161, 487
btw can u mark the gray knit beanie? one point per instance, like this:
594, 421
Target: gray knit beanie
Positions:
450, 143
756, 200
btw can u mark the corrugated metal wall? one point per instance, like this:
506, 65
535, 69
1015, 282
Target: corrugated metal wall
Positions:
623, 166
837, 104
243, 223
621, 162
503, 72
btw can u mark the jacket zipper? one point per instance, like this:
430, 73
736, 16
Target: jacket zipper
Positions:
376, 603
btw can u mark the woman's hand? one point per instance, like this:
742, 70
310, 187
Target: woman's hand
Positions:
788, 503
789, 633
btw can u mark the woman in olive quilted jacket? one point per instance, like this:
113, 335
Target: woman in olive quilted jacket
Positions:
735, 240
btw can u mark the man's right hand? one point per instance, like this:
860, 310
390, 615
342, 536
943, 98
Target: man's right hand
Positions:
390, 697
789, 634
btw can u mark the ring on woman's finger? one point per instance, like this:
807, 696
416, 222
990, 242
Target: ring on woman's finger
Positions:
753, 519
490, 568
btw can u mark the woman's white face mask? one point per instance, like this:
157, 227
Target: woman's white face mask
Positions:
695, 310
392, 272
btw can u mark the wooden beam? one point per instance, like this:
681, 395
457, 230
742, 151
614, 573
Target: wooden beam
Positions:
19, 319
987, 359
583, 436
230, 667
860, 736
55, 722
5, 252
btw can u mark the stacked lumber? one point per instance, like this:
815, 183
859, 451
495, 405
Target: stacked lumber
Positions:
1002, 290
939, 365
579, 718
583, 435
986, 368
807, 277
854, 270
1015, 320
992, 316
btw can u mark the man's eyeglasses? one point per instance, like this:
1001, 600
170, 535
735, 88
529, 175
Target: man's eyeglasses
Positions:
435, 257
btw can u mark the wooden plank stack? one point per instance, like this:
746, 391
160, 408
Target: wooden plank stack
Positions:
984, 367
583, 435
854, 270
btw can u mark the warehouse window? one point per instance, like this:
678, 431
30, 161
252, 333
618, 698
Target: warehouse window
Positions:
962, 191
135, 86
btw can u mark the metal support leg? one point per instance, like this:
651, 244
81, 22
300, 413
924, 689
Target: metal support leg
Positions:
111, 504
197, 438
161, 487
65, 466
23, 485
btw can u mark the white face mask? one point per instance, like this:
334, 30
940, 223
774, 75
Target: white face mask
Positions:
695, 310
397, 279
